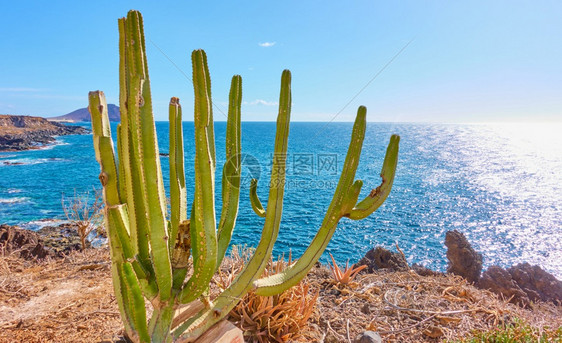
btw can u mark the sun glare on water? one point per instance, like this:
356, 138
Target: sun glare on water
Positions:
522, 165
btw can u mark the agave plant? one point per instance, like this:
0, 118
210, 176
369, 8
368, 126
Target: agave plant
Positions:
149, 248
345, 276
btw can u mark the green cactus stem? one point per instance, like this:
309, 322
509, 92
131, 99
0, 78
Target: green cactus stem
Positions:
203, 223
255, 200
150, 251
231, 170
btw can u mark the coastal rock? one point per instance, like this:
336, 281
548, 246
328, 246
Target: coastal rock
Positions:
27, 244
61, 239
499, 281
424, 271
25, 132
463, 259
380, 258
53, 241
537, 283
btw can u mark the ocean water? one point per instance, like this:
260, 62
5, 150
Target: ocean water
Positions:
501, 185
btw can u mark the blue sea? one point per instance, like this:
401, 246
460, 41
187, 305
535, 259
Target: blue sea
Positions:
500, 184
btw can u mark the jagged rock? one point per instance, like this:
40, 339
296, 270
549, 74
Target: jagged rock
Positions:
25, 132
537, 283
53, 241
424, 271
463, 259
380, 258
27, 244
368, 337
499, 281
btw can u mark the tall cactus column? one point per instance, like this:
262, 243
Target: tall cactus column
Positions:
150, 248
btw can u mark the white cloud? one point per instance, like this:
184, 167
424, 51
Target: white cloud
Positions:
266, 44
261, 102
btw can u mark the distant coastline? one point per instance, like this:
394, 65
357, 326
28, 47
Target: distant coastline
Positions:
83, 115
19, 133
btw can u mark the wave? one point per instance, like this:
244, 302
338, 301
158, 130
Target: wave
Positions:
39, 224
14, 190
29, 161
18, 200
52, 145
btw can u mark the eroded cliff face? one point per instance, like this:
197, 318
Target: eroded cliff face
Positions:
26, 132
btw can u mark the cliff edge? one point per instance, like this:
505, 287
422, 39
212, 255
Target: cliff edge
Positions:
26, 132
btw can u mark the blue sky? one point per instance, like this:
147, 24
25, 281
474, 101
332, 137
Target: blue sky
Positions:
468, 61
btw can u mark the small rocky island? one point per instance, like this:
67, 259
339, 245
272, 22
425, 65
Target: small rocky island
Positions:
26, 132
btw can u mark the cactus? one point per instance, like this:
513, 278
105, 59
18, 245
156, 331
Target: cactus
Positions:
150, 250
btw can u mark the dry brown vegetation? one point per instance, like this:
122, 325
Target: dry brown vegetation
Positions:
279, 318
58, 300
406, 307
85, 213
70, 300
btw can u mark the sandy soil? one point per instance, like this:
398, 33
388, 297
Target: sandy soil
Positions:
63, 300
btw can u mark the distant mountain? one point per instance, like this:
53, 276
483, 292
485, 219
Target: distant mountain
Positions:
83, 115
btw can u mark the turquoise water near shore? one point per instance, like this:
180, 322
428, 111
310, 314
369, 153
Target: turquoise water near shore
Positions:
500, 184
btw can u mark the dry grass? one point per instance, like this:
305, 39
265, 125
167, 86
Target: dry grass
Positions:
86, 214
71, 300
406, 307
63, 300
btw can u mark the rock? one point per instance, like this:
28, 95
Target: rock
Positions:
25, 132
61, 239
499, 281
368, 337
537, 283
27, 244
463, 259
424, 271
53, 241
380, 258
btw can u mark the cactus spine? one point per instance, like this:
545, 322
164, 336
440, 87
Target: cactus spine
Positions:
149, 249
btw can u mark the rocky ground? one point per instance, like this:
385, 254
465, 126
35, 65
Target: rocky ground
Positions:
26, 132
67, 296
